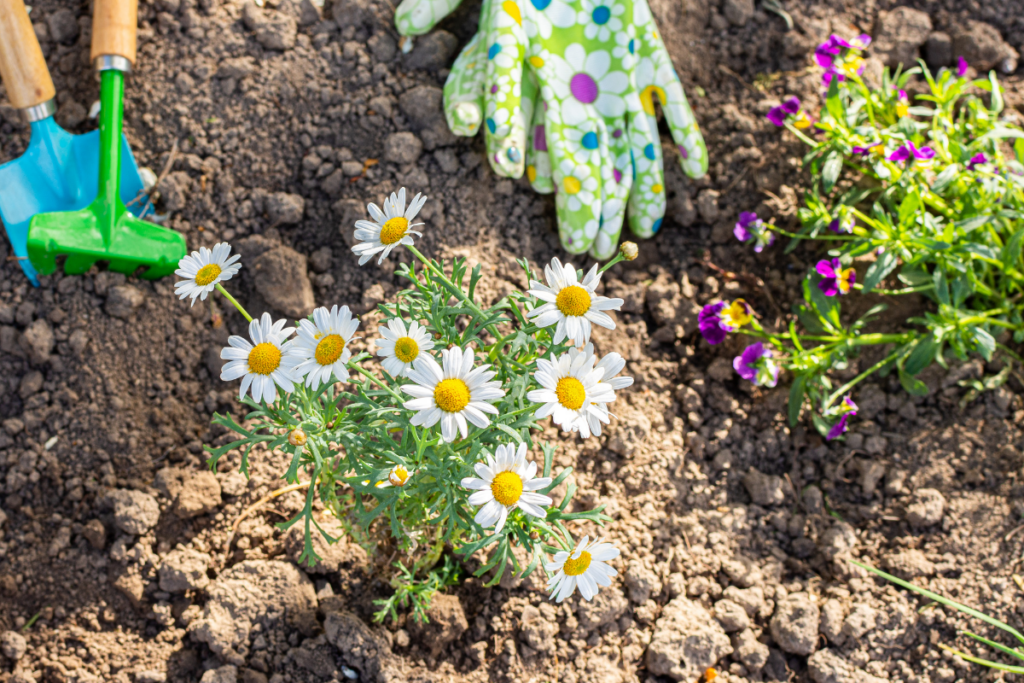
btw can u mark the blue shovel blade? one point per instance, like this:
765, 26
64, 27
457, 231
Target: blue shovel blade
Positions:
58, 172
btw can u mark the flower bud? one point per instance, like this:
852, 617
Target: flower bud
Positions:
297, 437
629, 250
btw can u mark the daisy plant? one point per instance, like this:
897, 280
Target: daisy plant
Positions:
922, 199
425, 447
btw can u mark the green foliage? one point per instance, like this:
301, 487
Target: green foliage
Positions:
948, 228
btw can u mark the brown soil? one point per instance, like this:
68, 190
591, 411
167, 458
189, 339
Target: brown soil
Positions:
713, 495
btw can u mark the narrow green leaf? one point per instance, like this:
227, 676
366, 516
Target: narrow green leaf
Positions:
922, 355
984, 343
830, 171
796, 398
878, 270
913, 385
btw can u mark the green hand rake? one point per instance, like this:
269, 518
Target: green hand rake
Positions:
105, 230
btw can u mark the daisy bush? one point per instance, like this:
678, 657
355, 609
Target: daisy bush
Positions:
426, 448
905, 199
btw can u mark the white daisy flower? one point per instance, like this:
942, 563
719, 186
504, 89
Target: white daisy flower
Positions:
545, 14
203, 269
585, 567
261, 364
506, 481
601, 19
572, 305
584, 78
572, 391
453, 394
321, 347
398, 476
401, 346
389, 227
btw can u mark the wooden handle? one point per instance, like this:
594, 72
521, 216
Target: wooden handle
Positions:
22, 65
113, 28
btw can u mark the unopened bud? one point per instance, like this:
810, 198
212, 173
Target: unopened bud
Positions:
629, 250
297, 437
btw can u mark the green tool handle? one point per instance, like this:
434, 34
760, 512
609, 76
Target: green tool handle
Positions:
108, 205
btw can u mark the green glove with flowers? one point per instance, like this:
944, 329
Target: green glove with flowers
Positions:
592, 133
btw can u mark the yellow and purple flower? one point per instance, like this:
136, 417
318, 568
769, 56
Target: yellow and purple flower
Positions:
834, 278
908, 150
902, 104
976, 160
779, 114
845, 410
961, 67
842, 225
751, 228
755, 365
841, 58
718, 320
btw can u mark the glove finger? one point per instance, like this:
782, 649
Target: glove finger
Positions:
505, 119
656, 78
416, 17
647, 201
577, 182
615, 188
538, 161
464, 89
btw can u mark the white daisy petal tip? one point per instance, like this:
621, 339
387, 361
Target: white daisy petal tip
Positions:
505, 485
583, 568
388, 228
204, 269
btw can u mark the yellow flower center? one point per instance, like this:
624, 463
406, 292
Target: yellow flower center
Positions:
207, 274
656, 188
507, 487
451, 395
737, 314
394, 230
802, 121
398, 476
406, 349
329, 349
573, 300
901, 110
575, 567
531, 172
571, 393
264, 358
536, 62
571, 184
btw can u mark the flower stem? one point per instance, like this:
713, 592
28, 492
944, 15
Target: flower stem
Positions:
220, 288
856, 380
618, 257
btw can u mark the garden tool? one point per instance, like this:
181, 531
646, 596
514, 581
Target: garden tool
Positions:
57, 172
105, 230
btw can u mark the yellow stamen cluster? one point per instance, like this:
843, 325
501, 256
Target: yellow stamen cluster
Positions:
264, 358
571, 393
297, 437
398, 476
329, 349
507, 487
573, 300
207, 274
575, 567
451, 395
394, 230
406, 349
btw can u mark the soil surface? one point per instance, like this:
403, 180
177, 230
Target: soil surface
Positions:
117, 561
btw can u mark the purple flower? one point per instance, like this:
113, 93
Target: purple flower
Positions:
717, 320
842, 226
976, 160
755, 365
961, 67
847, 410
750, 227
834, 278
908, 150
857, 149
777, 115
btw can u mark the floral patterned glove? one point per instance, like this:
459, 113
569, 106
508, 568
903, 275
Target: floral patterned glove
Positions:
593, 134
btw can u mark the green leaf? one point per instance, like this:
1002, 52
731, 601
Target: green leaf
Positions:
1010, 253
913, 385
996, 104
984, 343
909, 206
830, 171
796, 398
833, 102
922, 355
944, 179
973, 223
878, 270
914, 276
941, 289
1018, 150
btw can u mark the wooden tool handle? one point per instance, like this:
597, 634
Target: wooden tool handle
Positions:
113, 28
22, 65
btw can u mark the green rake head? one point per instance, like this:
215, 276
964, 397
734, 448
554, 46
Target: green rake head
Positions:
105, 230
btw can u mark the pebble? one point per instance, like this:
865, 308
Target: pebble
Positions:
285, 209
983, 47
731, 616
432, 51
686, 641
135, 512
37, 341
184, 570
794, 627
63, 25
926, 509
199, 494
764, 489
738, 12
123, 300
13, 645
402, 148
898, 35
282, 280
